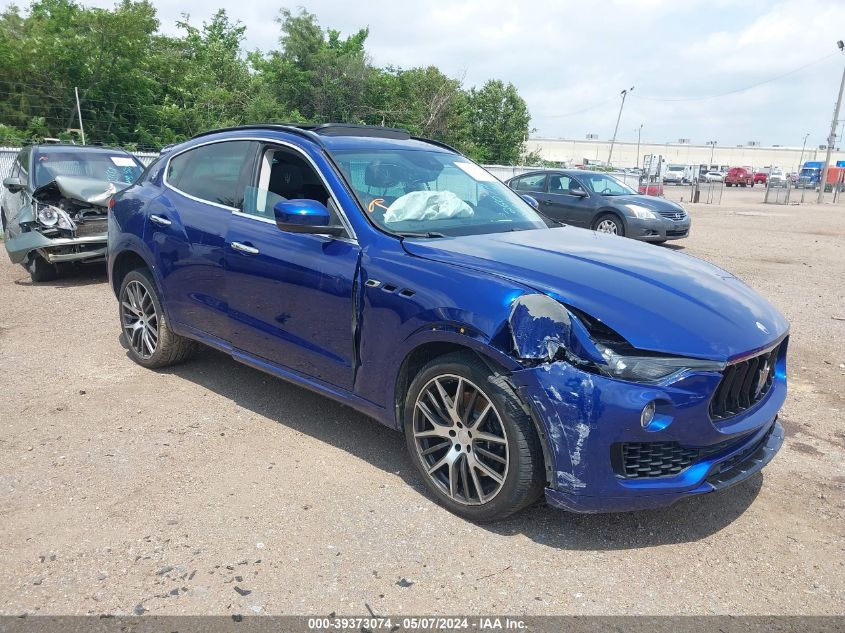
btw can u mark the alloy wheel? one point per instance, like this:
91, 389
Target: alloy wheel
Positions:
139, 319
460, 439
607, 226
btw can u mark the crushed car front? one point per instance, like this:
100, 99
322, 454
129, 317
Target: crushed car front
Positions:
64, 203
653, 375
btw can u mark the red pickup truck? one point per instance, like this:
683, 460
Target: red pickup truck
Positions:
739, 177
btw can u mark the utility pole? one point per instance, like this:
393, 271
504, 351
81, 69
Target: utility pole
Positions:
624, 94
639, 135
79, 113
712, 145
832, 138
801, 158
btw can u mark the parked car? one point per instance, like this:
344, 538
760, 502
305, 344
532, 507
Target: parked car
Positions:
739, 177
55, 201
760, 177
598, 201
777, 179
714, 176
400, 278
675, 175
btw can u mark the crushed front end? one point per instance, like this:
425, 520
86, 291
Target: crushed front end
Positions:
64, 222
614, 443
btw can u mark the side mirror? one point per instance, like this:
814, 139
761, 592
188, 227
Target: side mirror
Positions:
304, 216
14, 185
530, 200
578, 192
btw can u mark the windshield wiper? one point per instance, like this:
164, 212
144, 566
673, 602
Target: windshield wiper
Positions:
412, 234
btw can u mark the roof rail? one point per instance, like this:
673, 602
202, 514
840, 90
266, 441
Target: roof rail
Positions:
437, 143
293, 128
314, 131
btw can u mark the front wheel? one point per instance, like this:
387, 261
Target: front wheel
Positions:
149, 340
608, 223
40, 270
472, 440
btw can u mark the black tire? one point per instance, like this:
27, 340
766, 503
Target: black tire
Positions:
39, 269
170, 348
620, 228
524, 477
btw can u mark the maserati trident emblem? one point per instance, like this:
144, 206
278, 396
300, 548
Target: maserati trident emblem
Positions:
762, 377
762, 328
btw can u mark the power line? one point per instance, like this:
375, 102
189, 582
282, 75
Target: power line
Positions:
738, 90
587, 109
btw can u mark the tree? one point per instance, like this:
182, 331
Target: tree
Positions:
497, 122
139, 86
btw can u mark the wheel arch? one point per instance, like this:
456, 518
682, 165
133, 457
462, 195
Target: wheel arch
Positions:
125, 262
610, 211
500, 364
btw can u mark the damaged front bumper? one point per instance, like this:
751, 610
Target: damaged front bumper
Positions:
594, 437
55, 250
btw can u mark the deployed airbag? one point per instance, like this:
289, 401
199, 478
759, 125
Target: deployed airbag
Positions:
427, 205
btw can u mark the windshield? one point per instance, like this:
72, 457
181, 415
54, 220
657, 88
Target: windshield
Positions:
117, 167
432, 194
605, 185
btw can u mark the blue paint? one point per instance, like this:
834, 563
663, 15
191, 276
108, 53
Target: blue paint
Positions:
301, 310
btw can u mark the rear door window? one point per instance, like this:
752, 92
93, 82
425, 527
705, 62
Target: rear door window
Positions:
215, 173
535, 182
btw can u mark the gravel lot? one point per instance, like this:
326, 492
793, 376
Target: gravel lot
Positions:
213, 488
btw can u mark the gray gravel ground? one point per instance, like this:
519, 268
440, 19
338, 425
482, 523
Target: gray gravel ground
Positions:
212, 488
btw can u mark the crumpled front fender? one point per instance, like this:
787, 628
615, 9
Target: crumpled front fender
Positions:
23, 244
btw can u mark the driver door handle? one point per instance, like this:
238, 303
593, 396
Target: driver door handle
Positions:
245, 248
158, 219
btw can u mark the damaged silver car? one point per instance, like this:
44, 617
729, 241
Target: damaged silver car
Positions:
54, 204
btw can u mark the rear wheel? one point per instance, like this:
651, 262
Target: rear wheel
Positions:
40, 269
472, 440
149, 340
609, 223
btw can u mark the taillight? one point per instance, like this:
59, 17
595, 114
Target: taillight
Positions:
111, 203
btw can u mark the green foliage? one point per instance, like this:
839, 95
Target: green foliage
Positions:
140, 87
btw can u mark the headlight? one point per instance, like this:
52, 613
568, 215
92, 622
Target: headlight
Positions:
48, 216
641, 212
651, 369
51, 216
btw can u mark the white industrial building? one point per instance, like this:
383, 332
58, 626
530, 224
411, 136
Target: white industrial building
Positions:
625, 153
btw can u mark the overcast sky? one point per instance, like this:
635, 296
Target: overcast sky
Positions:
570, 60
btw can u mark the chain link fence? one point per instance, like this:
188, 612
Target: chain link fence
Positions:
8, 154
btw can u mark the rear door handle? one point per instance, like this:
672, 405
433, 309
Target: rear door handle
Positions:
245, 248
158, 219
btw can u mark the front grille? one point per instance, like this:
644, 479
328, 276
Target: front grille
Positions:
641, 460
673, 215
676, 233
91, 227
743, 385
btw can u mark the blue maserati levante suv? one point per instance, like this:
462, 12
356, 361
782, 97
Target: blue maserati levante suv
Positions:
395, 275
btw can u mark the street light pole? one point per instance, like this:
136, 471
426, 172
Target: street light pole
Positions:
801, 158
831, 139
639, 135
712, 145
624, 94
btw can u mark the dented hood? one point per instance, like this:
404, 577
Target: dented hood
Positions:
81, 189
656, 298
